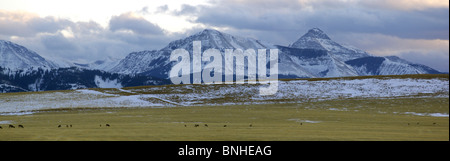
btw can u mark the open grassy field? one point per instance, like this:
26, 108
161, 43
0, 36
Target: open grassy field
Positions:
407, 107
338, 119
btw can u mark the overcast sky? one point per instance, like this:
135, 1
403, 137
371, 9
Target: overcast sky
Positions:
87, 30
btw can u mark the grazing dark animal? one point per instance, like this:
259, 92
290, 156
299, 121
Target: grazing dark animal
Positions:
206, 125
301, 123
70, 125
107, 125
11, 126
196, 125
1, 127
224, 125
250, 125
20, 126
185, 126
434, 123
59, 126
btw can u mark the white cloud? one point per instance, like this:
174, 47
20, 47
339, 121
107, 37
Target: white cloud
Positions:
135, 23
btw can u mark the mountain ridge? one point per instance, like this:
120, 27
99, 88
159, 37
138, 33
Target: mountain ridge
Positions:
313, 55
15, 56
296, 60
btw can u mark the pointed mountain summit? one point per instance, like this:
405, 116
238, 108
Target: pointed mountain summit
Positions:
318, 40
312, 40
211, 38
15, 56
316, 33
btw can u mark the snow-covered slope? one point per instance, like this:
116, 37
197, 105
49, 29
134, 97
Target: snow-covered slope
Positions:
312, 55
24, 70
104, 64
311, 63
15, 56
295, 91
138, 62
350, 61
390, 65
156, 62
218, 40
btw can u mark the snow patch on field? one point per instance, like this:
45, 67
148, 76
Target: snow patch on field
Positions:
16, 113
428, 114
304, 121
295, 91
6, 122
362, 88
107, 83
75, 99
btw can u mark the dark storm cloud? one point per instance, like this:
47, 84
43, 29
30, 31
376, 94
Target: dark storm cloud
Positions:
48, 24
128, 21
428, 23
57, 42
81, 41
411, 24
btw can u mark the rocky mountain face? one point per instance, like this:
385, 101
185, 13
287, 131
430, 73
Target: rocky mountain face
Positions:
156, 63
15, 56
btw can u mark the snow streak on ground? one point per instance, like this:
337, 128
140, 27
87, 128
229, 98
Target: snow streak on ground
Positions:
295, 91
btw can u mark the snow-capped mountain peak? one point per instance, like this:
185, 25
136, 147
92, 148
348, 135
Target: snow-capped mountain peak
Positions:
15, 56
314, 39
318, 40
316, 33
211, 38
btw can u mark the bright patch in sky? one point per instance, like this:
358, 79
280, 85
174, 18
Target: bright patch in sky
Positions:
101, 11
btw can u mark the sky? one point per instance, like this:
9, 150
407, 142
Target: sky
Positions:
84, 31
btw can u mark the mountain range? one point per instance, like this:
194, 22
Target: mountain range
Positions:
313, 55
